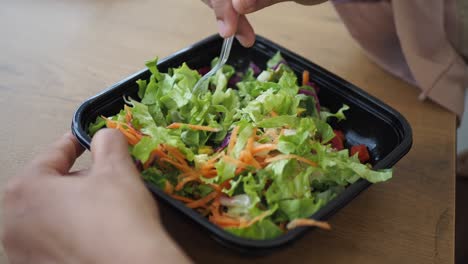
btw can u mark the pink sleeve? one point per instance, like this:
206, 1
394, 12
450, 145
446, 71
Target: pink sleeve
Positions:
415, 40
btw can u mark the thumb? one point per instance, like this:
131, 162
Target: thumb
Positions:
110, 148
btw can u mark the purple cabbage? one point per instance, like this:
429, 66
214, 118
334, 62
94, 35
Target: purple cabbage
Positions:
204, 70
313, 85
279, 63
138, 165
256, 70
314, 95
225, 143
234, 80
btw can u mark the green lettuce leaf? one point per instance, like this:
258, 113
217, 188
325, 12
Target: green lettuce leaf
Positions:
279, 121
141, 87
275, 60
338, 167
261, 230
154, 176
142, 119
245, 131
225, 171
325, 115
324, 130
298, 141
290, 187
186, 78
308, 103
153, 67
299, 208
253, 186
235, 183
288, 83
96, 125
248, 76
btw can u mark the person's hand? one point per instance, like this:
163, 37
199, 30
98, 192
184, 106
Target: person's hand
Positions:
100, 215
231, 19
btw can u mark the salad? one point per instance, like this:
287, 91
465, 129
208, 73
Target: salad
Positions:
252, 151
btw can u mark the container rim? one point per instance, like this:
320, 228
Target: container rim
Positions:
354, 189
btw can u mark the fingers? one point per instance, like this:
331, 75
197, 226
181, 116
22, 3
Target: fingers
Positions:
250, 6
245, 32
226, 17
61, 155
109, 148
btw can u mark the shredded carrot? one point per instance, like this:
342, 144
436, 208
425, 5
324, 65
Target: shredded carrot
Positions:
291, 156
233, 139
263, 147
203, 201
210, 164
225, 185
209, 173
182, 198
215, 207
273, 114
132, 138
110, 123
207, 167
186, 174
250, 144
261, 161
237, 163
193, 127
175, 152
216, 188
154, 154
131, 134
220, 220
308, 222
224, 221
239, 171
248, 158
185, 180
305, 78
168, 188
177, 165
128, 114
255, 219
215, 158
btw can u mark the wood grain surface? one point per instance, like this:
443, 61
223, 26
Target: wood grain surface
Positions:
54, 54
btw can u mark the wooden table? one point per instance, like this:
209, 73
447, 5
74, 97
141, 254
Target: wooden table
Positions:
55, 54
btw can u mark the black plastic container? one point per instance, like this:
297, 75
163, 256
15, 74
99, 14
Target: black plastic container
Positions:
369, 121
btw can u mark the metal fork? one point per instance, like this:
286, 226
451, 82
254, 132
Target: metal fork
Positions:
223, 57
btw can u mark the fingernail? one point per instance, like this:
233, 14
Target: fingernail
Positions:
222, 28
